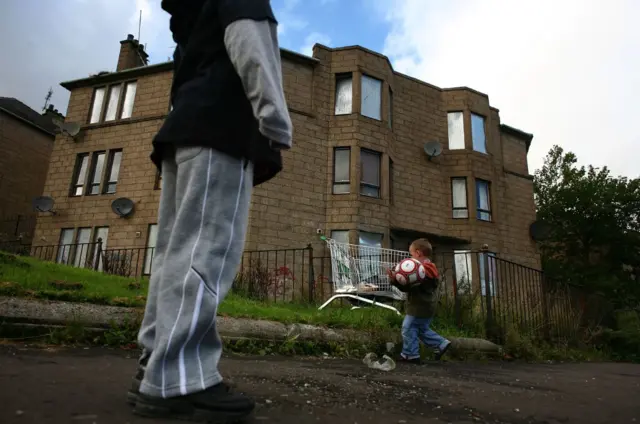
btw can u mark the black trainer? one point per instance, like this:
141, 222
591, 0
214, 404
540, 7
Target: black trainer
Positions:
134, 391
440, 353
414, 361
216, 405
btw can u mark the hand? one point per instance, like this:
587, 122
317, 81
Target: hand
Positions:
391, 275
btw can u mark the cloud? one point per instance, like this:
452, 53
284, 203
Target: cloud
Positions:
311, 40
70, 39
566, 70
288, 18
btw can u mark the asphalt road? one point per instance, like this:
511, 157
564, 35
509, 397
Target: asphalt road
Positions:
57, 385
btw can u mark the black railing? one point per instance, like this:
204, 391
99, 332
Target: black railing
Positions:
478, 289
17, 228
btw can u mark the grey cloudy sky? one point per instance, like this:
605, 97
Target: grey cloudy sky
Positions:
566, 70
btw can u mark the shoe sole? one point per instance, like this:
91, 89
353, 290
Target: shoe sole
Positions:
148, 410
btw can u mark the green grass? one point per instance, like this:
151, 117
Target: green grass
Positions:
28, 277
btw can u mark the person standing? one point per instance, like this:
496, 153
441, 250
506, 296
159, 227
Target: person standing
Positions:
224, 135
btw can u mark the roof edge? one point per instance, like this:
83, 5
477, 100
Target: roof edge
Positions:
26, 121
161, 67
524, 136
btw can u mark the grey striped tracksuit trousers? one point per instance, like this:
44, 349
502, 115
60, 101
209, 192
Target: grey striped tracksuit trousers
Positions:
202, 223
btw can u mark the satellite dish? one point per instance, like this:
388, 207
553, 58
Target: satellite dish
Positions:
70, 128
540, 230
43, 204
123, 207
432, 149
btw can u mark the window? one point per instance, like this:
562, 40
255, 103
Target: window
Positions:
341, 236
464, 273
113, 102
80, 174
390, 108
477, 133
455, 121
82, 247
95, 176
391, 170
158, 183
341, 170
100, 233
483, 200
370, 173
96, 107
113, 171
152, 240
491, 259
64, 245
344, 95
129, 97
459, 197
369, 254
370, 97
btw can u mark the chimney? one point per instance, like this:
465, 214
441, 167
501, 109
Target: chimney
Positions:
132, 54
52, 112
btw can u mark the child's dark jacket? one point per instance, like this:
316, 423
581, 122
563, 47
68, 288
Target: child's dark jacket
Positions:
422, 297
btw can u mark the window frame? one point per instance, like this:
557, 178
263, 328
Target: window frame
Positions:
493, 269
391, 180
449, 135
369, 185
108, 169
480, 211
455, 208
484, 133
148, 254
105, 102
362, 99
75, 176
390, 109
68, 247
93, 165
342, 77
341, 182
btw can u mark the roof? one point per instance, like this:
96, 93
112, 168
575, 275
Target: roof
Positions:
24, 113
526, 137
107, 77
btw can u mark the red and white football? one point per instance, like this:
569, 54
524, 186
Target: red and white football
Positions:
409, 271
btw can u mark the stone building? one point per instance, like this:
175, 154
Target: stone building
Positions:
358, 170
26, 143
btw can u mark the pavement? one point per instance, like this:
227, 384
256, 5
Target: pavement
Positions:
63, 385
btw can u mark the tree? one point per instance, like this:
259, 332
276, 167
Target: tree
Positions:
594, 223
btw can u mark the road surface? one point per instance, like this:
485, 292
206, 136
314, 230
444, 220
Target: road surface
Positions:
59, 385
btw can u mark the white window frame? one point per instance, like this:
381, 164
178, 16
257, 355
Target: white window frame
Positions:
113, 171
344, 95
371, 97
460, 206
150, 246
478, 133
455, 129
463, 265
342, 185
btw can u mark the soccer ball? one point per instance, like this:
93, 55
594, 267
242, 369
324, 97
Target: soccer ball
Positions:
409, 271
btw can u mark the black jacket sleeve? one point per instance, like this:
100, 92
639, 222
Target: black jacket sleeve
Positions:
230, 11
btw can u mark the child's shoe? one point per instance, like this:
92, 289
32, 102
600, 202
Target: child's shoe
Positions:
406, 360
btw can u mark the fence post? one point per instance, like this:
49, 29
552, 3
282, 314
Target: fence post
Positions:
545, 307
487, 291
17, 230
311, 273
96, 264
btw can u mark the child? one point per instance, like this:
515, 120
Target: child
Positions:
421, 305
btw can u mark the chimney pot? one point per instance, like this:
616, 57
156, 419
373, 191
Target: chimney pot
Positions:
130, 37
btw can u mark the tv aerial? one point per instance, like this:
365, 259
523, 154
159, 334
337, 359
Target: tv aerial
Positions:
123, 207
70, 128
43, 204
432, 149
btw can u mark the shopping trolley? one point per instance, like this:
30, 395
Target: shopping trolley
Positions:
360, 273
